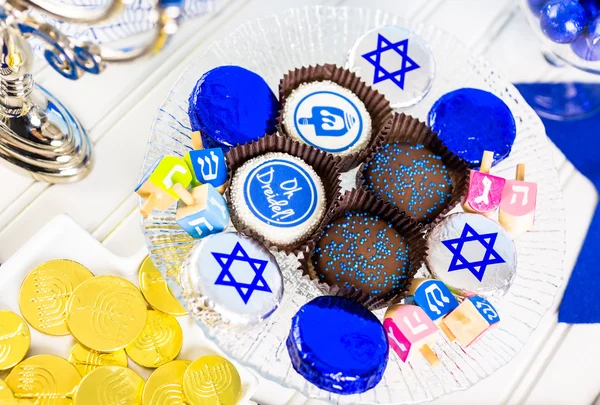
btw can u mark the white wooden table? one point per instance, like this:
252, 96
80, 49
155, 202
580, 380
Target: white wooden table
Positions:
560, 363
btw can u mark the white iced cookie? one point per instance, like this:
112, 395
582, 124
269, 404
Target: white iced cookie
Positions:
278, 196
396, 62
327, 116
472, 254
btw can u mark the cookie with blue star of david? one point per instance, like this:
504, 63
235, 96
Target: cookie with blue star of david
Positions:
235, 279
327, 116
396, 62
472, 254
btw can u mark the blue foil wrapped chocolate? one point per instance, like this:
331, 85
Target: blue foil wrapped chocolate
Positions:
471, 121
338, 345
563, 20
230, 106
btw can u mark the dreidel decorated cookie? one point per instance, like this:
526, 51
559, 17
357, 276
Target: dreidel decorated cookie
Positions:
517, 208
410, 330
473, 317
157, 185
485, 190
436, 300
202, 212
208, 165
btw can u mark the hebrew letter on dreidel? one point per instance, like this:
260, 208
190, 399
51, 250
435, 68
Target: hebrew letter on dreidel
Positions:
412, 327
485, 190
517, 208
473, 317
207, 214
168, 180
208, 166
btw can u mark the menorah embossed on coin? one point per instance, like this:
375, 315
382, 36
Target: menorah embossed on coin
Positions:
37, 133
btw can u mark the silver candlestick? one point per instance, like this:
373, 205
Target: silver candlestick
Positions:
37, 133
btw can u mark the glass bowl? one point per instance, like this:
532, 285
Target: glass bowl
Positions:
273, 45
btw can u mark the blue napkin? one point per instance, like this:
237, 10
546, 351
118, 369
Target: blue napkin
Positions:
578, 140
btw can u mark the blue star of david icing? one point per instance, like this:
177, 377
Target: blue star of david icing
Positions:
478, 267
395, 74
226, 278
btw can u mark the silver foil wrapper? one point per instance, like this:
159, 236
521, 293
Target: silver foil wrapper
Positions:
231, 279
472, 254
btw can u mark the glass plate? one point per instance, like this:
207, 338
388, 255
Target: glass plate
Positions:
273, 45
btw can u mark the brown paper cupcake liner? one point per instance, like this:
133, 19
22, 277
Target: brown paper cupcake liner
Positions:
322, 163
405, 128
376, 104
359, 200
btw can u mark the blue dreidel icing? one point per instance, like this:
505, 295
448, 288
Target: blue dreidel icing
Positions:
203, 212
471, 121
563, 20
338, 345
157, 187
231, 105
436, 300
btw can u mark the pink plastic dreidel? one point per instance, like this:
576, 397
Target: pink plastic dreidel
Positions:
409, 330
473, 317
517, 208
485, 190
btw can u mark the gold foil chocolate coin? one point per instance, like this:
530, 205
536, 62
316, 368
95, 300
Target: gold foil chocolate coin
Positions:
159, 342
106, 313
44, 379
110, 385
165, 384
6, 393
157, 292
45, 292
86, 360
212, 380
15, 339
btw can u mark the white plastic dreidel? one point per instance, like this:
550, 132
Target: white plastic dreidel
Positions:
471, 319
202, 212
436, 299
156, 187
208, 165
409, 330
485, 190
517, 208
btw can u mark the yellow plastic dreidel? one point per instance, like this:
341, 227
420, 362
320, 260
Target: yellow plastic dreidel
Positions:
156, 187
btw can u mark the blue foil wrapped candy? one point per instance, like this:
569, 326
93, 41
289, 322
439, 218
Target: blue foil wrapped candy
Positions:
338, 345
230, 106
471, 121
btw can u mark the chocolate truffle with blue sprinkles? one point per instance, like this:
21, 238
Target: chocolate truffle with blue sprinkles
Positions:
230, 106
411, 177
338, 345
363, 251
470, 121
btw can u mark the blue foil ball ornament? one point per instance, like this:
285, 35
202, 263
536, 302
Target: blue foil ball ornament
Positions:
587, 46
563, 20
471, 121
338, 345
592, 7
230, 106
536, 5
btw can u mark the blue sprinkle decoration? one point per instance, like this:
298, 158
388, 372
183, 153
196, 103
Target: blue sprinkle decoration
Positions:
563, 20
338, 345
230, 106
471, 121
358, 258
413, 190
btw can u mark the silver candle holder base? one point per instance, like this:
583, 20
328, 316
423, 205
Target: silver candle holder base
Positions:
38, 134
